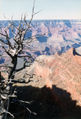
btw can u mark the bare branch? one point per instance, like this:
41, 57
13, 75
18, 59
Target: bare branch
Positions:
7, 52
3, 42
3, 35
7, 39
31, 111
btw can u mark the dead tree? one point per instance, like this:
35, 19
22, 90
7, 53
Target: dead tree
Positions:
19, 42
14, 48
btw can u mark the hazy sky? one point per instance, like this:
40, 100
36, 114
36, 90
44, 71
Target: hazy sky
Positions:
49, 9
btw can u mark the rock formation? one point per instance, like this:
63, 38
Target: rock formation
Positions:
55, 83
64, 71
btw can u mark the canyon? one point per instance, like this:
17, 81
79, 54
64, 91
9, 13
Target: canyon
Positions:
53, 81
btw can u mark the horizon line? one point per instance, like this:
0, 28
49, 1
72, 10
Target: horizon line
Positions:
39, 19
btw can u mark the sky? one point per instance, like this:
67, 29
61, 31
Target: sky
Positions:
49, 9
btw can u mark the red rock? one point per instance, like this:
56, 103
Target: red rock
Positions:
64, 71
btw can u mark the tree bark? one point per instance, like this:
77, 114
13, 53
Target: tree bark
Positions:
14, 62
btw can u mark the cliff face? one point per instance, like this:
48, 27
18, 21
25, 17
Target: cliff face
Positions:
64, 71
54, 85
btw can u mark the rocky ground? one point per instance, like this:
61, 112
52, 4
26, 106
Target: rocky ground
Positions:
54, 87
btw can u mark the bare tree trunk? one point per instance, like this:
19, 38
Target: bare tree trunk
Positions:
11, 74
1, 116
14, 62
1, 101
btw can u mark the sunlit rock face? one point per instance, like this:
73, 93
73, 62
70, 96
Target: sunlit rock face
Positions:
55, 86
64, 71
